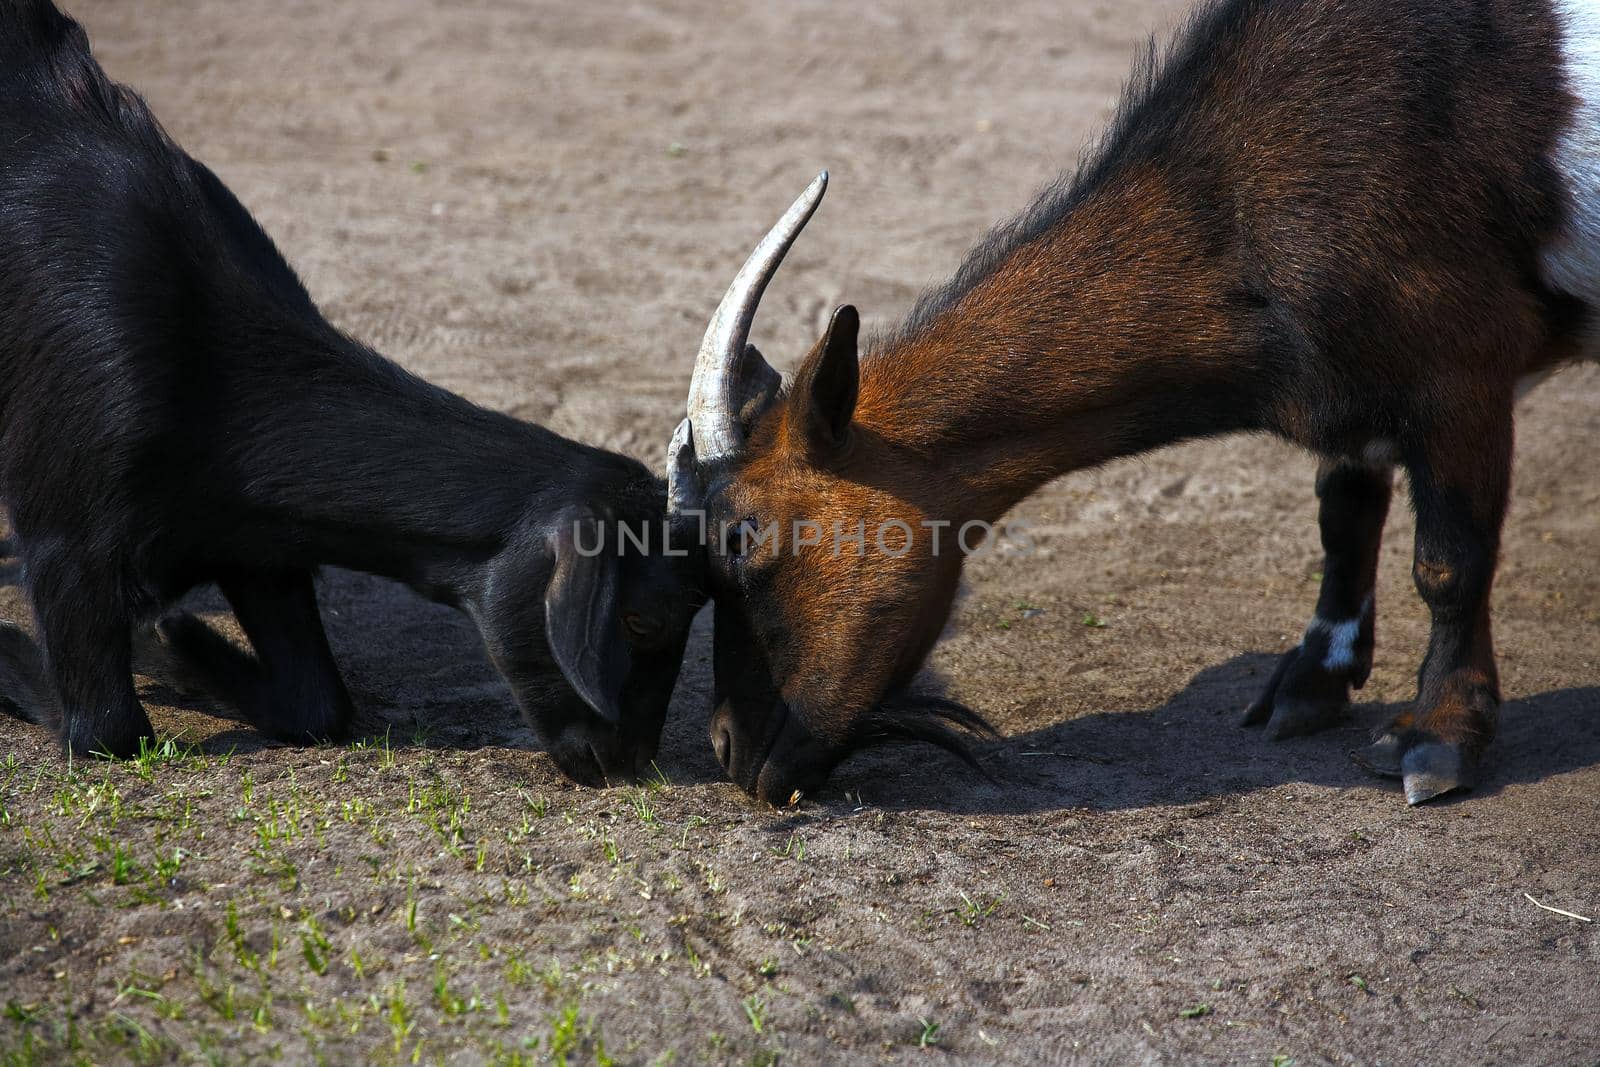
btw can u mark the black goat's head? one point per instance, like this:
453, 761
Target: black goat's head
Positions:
605, 592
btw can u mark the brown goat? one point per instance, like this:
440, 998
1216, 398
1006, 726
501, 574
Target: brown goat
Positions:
1357, 224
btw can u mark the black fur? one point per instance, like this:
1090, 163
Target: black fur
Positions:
177, 412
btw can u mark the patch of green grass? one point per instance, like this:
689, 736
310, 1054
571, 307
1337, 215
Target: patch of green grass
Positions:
123, 870
643, 808
397, 1014
148, 988
315, 948
755, 1009
971, 913
793, 849
344, 918
171, 752
539, 806
450, 1003
572, 1035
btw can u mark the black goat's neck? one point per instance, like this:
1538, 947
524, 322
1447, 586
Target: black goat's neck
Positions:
365, 466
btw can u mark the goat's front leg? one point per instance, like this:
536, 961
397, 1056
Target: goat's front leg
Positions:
1459, 487
85, 631
291, 688
1311, 686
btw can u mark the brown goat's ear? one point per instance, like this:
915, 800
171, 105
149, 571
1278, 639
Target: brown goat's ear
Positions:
827, 384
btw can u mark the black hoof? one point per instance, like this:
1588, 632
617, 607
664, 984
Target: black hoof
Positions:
1300, 698
1298, 718
121, 740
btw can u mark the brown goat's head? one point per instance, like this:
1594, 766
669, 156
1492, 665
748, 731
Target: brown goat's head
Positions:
831, 567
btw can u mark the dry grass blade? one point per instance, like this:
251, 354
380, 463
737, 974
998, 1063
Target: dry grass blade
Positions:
1558, 911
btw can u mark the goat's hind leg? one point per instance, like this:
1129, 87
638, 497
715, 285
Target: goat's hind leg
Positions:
24, 679
290, 688
1311, 686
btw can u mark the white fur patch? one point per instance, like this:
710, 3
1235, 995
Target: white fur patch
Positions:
1341, 645
1572, 263
1342, 635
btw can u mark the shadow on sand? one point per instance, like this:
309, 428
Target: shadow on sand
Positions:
1191, 749
419, 677
417, 673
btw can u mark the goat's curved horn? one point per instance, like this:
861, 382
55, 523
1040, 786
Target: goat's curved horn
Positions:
715, 392
683, 488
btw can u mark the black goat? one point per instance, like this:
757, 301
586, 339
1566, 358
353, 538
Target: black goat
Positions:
177, 412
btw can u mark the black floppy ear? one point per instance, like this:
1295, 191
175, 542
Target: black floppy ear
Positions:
581, 615
828, 381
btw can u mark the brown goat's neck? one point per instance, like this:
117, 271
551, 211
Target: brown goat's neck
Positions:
1115, 332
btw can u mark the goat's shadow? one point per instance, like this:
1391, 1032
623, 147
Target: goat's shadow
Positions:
1191, 749
417, 673
420, 678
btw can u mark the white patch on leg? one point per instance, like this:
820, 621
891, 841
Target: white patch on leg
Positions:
1342, 635
1572, 261
1341, 646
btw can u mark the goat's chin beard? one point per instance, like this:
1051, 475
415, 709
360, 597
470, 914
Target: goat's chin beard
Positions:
787, 773
936, 720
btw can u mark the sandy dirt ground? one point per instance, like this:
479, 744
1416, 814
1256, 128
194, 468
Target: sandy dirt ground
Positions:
537, 205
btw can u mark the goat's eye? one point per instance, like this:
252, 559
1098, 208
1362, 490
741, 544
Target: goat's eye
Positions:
738, 538
639, 626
